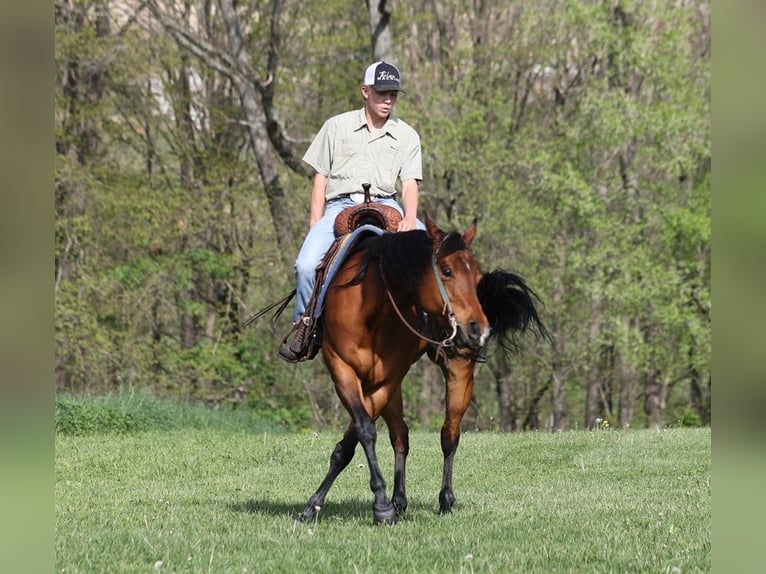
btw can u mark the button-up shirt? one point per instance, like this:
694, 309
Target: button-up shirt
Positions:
349, 154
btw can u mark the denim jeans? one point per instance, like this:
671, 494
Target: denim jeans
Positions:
316, 244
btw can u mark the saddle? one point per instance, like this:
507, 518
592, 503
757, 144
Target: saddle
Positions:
350, 224
367, 213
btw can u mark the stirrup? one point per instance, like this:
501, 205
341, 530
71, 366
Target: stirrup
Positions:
301, 348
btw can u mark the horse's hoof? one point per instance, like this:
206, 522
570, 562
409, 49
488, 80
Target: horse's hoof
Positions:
308, 514
446, 500
385, 517
400, 504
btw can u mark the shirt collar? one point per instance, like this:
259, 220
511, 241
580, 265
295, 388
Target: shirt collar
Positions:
388, 127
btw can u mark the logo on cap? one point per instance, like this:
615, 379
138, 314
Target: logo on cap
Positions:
383, 77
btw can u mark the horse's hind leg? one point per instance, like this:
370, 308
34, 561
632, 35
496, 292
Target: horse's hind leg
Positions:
341, 456
399, 435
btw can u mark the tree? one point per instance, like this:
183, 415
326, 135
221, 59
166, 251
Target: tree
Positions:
82, 65
380, 31
230, 57
580, 135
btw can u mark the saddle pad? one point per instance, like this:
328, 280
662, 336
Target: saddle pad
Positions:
348, 242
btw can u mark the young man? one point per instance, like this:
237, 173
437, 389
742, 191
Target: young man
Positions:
369, 145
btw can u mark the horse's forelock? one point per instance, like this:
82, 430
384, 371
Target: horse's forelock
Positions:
452, 242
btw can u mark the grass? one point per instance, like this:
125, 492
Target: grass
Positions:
130, 412
222, 500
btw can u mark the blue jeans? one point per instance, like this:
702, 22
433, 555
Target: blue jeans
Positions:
316, 244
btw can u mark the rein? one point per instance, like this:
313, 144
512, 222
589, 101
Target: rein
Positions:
446, 310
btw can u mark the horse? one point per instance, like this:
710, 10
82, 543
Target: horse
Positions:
397, 297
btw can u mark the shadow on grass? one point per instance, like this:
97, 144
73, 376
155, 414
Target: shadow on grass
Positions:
341, 510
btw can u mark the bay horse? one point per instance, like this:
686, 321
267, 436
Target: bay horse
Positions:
397, 297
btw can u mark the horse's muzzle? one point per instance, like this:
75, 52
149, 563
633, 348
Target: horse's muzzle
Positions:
472, 335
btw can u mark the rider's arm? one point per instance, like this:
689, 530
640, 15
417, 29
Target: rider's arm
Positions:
317, 199
410, 204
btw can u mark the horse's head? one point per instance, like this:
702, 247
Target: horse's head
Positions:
452, 287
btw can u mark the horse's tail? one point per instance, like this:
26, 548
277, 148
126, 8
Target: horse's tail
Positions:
509, 304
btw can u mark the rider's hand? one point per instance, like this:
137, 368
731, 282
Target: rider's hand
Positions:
406, 224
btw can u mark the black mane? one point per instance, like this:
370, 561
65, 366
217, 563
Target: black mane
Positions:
507, 301
405, 257
509, 304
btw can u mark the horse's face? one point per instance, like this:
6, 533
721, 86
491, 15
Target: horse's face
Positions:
459, 275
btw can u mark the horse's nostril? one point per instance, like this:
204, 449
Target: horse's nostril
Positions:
474, 331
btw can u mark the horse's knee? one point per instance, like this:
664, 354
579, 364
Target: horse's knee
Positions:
400, 441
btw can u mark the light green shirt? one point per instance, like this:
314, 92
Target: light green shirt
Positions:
349, 155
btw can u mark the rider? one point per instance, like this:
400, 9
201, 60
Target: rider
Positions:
368, 145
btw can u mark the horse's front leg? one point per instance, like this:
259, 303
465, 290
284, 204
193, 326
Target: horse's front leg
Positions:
459, 378
399, 435
341, 456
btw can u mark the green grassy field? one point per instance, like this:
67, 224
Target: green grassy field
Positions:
222, 500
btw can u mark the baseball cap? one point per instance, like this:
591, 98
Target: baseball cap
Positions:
383, 77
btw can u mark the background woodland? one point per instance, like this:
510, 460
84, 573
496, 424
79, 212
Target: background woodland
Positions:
578, 131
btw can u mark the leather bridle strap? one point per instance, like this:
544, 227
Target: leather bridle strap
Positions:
447, 309
449, 341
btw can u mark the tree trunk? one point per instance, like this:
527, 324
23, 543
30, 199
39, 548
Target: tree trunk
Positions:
381, 44
654, 401
558, 398
593, 392
655, 390
259, 136
504, 390
697, 399
627, 393
532, 420
235, 63
84, 84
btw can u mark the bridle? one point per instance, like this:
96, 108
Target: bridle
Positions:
446, 308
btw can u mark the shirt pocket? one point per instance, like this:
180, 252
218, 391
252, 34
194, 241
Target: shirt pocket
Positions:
389, 157
344, 154
388, 165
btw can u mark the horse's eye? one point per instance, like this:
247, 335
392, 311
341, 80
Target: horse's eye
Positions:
446, 271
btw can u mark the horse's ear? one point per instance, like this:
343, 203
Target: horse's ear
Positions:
470, 233
433, 230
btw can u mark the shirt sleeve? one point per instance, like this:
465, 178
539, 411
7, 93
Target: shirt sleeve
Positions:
412, 168
319, 153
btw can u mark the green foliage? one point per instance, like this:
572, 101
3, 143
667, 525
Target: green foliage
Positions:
136, 412
297, 417
75, 416
687, 417
579, 135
